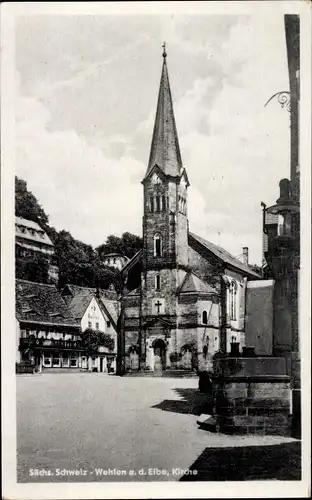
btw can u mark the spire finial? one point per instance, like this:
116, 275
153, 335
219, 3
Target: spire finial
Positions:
164, 52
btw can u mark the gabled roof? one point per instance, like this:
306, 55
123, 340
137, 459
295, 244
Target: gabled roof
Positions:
82, 296
165, 149
31, 231
222, 255
41, 303
193, 284
110, 308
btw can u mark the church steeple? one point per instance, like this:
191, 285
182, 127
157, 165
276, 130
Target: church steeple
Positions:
165, 149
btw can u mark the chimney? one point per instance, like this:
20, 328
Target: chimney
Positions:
245, 255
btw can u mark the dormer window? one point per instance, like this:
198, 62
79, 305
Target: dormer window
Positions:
157, 245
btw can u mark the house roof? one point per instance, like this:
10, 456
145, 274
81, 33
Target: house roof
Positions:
223, 255
111, 308
42, 303
81, 298
193, 284
32, 231
165, 149
115, 254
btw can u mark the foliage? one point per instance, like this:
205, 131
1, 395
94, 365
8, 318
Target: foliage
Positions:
34, 268
79, 264
127, 245
27, 205
94, 339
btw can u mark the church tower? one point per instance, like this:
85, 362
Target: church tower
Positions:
165, 223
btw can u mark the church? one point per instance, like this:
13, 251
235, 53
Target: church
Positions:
184, 297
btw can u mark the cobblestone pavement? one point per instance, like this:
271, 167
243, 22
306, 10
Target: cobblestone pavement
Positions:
95, 427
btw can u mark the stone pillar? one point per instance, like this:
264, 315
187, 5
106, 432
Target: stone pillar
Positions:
149, 357
168, 363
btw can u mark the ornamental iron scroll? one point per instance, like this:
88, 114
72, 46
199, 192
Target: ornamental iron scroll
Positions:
283, 98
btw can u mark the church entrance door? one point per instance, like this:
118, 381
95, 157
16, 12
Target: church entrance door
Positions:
159, 355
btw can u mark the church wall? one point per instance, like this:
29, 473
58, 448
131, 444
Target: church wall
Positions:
166, 295
202, 267
131, 339
186, 336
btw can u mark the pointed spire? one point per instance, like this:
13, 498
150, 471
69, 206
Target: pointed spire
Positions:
165, 150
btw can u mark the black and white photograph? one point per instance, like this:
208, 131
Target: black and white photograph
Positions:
155, 249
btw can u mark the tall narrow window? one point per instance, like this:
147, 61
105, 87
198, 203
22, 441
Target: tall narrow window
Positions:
163, 198
205, 317
157, 245
233, 300
157, 282
152, 203
157, 203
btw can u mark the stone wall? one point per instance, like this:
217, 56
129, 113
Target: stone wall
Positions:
252, 395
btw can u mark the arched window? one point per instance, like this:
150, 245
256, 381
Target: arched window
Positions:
151, 200
233, 300
163, 199
157, 245
157, 203
205, 317
157, 282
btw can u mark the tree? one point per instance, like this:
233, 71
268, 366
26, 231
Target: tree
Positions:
27, 205
79, 264
94, 339
127, 245
34, 268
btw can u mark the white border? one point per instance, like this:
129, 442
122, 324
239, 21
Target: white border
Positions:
254, 489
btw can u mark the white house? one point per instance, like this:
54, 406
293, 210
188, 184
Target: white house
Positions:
98, 310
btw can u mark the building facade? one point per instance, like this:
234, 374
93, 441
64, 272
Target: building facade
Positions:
95, 310
47, 334
115, 260
31, 239
190, 298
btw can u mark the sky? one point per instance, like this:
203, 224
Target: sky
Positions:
85, 100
